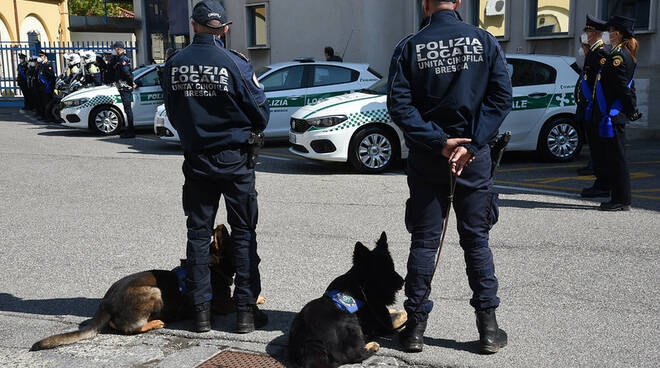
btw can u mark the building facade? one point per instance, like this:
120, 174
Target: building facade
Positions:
27, 20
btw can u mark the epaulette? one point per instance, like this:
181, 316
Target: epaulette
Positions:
240, 54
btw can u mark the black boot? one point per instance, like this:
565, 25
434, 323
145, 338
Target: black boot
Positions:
594, 192
202, 321
248, 321
613, 206
491, 337
412, 337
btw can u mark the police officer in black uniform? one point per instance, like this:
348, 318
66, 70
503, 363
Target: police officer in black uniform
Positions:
215, 102
32, 84
584, 94
22, 79
123, 73
449, 91
617, 104
46, 83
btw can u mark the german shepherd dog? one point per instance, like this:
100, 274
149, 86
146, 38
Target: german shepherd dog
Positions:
324, 334
142, 301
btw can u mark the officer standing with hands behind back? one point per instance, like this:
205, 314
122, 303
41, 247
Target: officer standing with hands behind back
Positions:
449, 91
215, 102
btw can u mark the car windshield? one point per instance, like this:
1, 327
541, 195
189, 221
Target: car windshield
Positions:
378, 88
262, 71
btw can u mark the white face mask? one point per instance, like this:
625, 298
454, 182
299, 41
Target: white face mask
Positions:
584, 39
606, 38
31, 63
114, 52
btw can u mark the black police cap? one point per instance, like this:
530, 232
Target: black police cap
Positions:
622, 24
118, 44
595, 24
41, 53
211, 14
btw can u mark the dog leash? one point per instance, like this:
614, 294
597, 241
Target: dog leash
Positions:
452, 191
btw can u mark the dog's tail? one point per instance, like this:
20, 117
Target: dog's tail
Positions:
90, 330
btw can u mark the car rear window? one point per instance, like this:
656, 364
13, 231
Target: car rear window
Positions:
325, 75
530, 73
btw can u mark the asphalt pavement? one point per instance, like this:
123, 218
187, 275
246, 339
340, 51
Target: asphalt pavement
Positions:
579, 287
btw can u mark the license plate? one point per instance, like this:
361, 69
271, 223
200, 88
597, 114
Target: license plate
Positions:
292, 138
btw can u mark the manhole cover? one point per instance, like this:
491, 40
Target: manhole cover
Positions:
235, 359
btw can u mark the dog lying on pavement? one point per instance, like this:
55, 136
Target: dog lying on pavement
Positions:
330, 331
141, 302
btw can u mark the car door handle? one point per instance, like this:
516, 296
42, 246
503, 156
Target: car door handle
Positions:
295, 97
537, 95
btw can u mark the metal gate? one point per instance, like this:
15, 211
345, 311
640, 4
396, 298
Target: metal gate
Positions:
10, 50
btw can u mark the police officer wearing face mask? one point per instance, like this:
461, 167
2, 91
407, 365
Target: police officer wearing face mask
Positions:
449, 91
32, 84
215, 102
617, 104
123, 73
22, 79
46, 83
596, 53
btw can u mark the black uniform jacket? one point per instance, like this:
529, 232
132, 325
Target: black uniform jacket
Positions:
212, 96
449, 80
615, 77
593, 62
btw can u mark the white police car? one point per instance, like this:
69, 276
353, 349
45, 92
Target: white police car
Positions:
357, 127
291, 85
100, 108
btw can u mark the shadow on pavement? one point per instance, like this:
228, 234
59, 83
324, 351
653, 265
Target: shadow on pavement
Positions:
83, 307
535, 204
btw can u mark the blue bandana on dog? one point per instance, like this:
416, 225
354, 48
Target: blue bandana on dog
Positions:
344, 301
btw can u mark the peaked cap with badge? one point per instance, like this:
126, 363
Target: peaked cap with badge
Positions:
211, 14
623, 24
595, 24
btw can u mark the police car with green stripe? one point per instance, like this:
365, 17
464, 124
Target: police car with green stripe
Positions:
357, 128
100, 109
290, 86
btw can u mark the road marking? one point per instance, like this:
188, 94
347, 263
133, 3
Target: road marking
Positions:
565, 166
147, 139
540, 191
646, 190
276, 158
562, 190
634, 175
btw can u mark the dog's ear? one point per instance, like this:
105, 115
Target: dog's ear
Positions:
382, 242
360, 253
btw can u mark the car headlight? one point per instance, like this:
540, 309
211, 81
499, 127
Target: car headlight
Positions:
327, 121
75, 102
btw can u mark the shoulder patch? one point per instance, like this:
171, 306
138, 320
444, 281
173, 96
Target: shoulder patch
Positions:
240, 54
602, 61
617, 60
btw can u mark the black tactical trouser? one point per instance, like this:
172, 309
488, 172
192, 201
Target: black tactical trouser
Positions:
126, 97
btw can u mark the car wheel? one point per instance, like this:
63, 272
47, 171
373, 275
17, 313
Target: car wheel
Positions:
106, 120
560, 140
372, 150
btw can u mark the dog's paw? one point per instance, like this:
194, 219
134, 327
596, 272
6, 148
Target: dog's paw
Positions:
372, 346
261, 300
152, 325
399, 317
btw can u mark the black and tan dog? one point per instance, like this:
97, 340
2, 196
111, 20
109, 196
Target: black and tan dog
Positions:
142, 301
330, 331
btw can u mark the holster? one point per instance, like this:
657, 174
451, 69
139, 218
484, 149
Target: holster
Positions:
497, 148
255, 143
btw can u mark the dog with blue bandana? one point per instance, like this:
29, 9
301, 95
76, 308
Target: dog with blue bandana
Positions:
334, 329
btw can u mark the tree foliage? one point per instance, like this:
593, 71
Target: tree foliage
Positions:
95, 8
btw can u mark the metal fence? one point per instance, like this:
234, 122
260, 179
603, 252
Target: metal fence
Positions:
9, 52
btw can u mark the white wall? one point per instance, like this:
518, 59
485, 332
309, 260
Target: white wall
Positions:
101, 37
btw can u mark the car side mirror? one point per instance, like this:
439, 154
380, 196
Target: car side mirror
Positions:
139, 83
